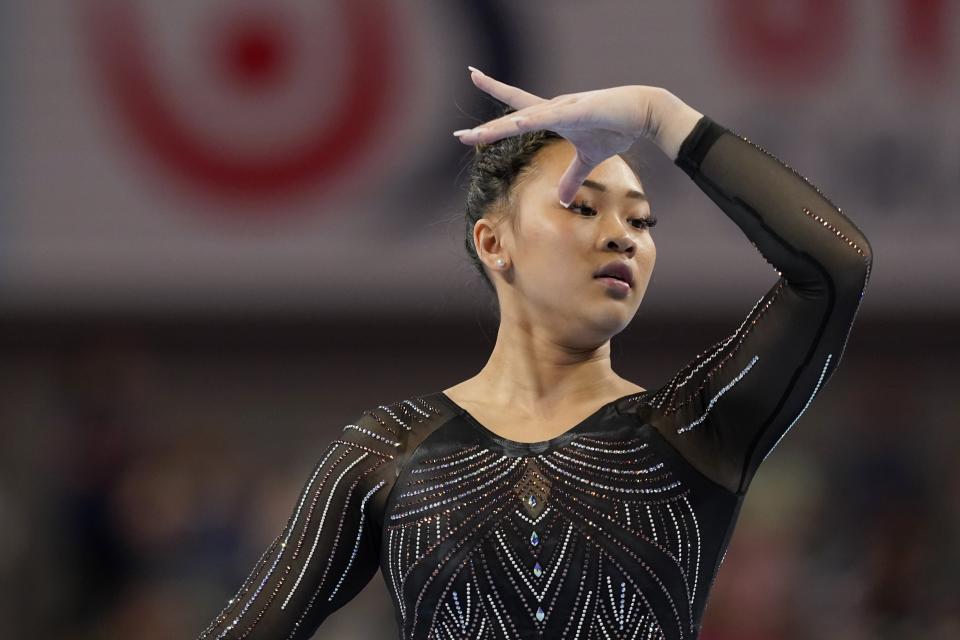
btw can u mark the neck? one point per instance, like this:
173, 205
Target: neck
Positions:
531, 370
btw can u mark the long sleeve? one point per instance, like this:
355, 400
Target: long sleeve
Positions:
727, 409
328, 550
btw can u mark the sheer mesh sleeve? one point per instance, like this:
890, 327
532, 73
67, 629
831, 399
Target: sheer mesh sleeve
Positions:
328, 550
726, 409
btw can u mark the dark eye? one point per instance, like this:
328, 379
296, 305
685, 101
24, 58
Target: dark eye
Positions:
586, 209
582, 207
646, 223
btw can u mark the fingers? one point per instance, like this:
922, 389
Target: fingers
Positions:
516, 98
546, 115
573, 177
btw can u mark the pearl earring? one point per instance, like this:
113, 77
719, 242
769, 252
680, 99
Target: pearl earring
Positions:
500, 262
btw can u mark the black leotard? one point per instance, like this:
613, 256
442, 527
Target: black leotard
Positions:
614, 529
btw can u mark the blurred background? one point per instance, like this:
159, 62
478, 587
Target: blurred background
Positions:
229, 226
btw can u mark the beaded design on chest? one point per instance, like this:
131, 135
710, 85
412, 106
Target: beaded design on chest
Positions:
596, 539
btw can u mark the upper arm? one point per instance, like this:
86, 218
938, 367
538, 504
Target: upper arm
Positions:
728, 407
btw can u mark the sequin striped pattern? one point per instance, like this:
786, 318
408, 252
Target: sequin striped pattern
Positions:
594, 539
717, 396
705, 366
865, 255
308, 566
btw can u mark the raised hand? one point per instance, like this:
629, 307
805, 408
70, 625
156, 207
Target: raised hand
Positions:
598, 123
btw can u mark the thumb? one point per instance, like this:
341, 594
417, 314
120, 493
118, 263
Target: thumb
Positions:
573, 177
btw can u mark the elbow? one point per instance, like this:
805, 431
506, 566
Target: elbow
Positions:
852, 266
843, 275
854, 274
865, 264
865, 249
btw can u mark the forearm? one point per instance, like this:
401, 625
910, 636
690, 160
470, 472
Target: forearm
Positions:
798, 230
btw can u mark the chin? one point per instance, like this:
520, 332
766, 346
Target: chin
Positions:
613, 322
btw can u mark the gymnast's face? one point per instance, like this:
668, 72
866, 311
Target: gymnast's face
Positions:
552, 252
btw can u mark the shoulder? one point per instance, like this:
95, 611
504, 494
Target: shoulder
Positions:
389, 431
399, 425
392, 431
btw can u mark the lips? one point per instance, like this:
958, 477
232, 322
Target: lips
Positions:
616, 269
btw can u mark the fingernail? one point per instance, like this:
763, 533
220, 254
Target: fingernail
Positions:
565, 204
460, 132
475, 69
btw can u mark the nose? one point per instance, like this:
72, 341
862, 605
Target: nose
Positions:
620, 240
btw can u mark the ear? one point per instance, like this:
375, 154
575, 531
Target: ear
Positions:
486, 238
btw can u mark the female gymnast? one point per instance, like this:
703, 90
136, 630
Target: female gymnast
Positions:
546, 496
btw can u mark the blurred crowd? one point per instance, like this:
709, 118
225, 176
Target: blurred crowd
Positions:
140, 483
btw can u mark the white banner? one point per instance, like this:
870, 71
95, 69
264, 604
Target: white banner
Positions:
238, 155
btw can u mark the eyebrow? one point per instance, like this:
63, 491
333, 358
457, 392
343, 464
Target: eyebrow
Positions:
599, 186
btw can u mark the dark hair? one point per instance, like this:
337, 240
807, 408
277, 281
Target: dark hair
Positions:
495, 170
